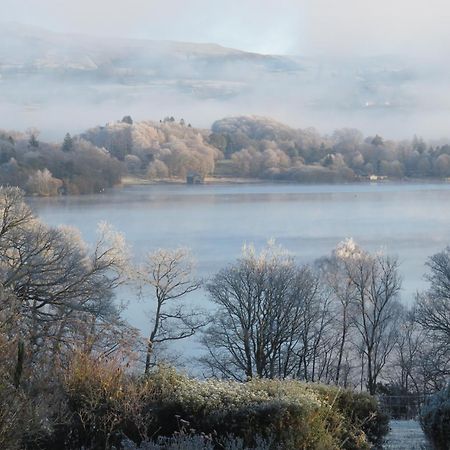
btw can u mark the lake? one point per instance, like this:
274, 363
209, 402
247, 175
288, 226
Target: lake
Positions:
409, 220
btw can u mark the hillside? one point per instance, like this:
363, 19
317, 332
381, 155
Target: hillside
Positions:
54, 80
203, 70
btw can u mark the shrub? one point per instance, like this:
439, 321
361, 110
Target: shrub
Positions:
11, 405
360, 410
435, 419
105, 407
293, 414
105, 404
184, 441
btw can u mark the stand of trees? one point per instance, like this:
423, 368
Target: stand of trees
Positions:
262, 147
75, 167
56, 293
337, 321
237, 146
157, 150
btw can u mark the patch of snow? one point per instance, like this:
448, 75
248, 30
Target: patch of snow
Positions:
406, 435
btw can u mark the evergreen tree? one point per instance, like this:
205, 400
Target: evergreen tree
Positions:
33, 142
67, 145
128, 120
377, 140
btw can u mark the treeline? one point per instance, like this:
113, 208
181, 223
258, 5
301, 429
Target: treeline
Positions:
74, 167
264, 148
237, 147
337, 321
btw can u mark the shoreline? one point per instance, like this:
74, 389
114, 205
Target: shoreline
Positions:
137, 181
129, 182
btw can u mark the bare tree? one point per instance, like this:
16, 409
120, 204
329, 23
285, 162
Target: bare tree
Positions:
420, 362
407, 354
316, 339
434, 305
169, 275
377, 284
333, 272
433, 315
268, 319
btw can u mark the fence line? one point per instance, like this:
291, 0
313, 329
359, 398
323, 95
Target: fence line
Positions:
402, 406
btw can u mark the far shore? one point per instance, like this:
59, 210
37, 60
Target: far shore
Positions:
137, 181
134, 181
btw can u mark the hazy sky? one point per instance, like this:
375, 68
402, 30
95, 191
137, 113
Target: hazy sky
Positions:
308, 27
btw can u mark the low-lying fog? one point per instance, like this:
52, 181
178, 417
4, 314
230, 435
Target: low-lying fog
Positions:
61, 82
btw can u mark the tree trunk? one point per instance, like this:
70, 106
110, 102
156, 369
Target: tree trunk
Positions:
149, 355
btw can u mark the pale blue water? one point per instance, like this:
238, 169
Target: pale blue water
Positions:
411, 221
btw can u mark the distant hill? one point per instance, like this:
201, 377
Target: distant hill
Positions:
205, 70
53, 81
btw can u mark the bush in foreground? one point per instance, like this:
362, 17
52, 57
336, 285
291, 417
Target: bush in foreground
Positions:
290, 413
360, 409
105, 407
435, 419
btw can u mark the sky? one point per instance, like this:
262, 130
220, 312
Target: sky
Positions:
337, 28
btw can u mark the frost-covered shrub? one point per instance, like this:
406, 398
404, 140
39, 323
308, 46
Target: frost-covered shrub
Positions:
105, 407
196, 442
293, 414
435, 419
104, 403
360, 409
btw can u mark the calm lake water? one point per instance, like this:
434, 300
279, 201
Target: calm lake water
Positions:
411, 221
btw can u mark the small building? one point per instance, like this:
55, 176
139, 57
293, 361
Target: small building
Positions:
377, 177
194, 178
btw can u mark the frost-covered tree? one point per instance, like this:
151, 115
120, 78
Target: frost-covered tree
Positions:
270, 320
167, 278
376, 284
43, 183
58, 289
